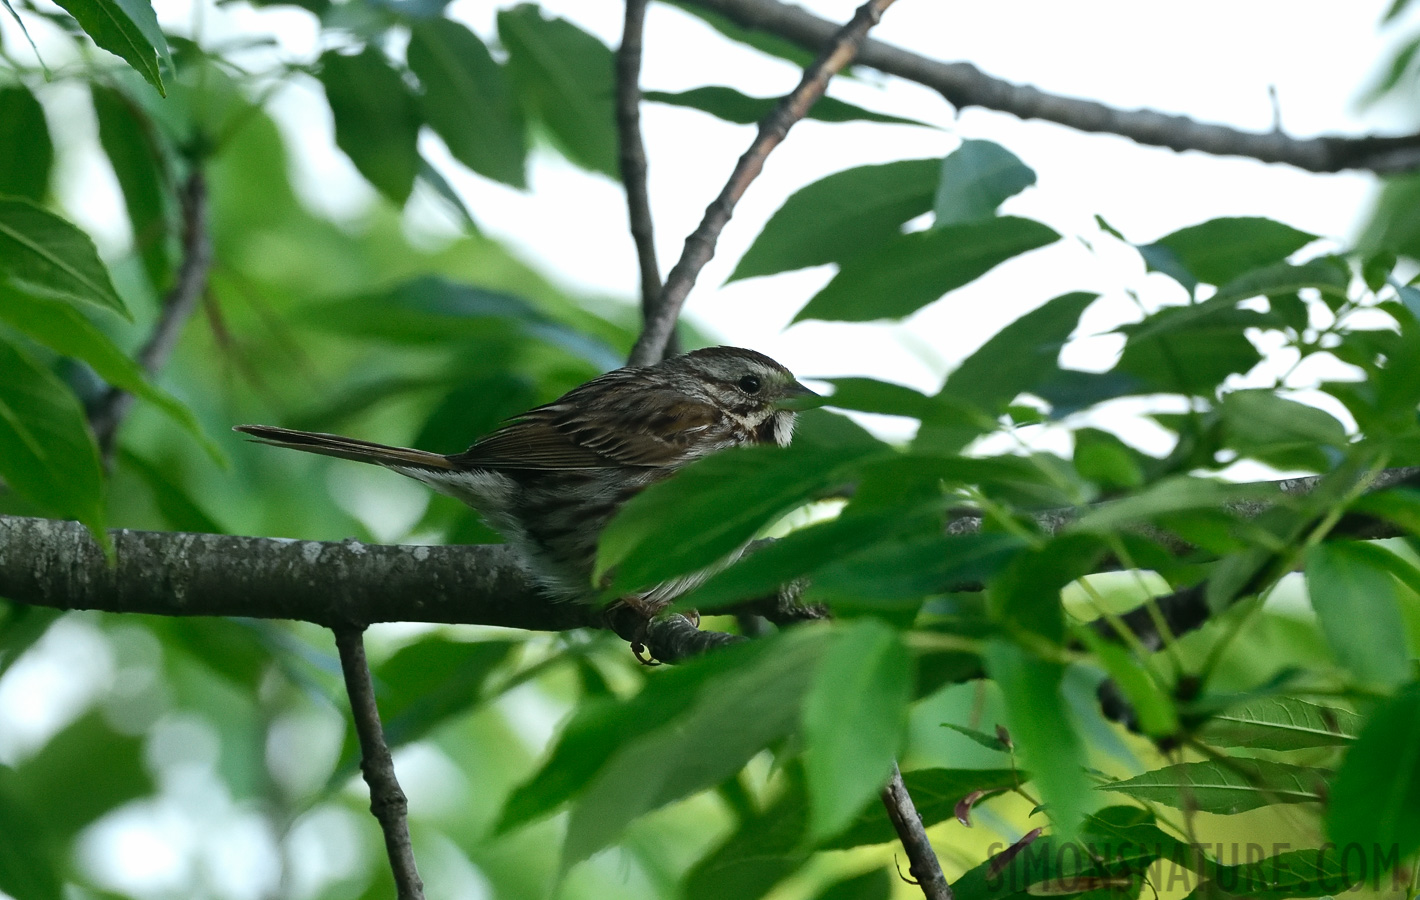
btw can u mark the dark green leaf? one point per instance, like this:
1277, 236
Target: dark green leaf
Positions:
130, 143
83, 772
1282, 723
1219, 250
1330, 871
376, 119
1358, 604
1283, 433
1376, 269
24, 144
976, 179
47, 453
66, 331
1328, 275
854, 718
909, 566
1375, 799
712, 507
851, 212
765, 849
422, 686
1225, 787
1018, 357
873, 885
732, 106
989, 741
913, 270
29, 857
126, 28
467, 101
1180, 493
1042, 730
1178, 351
174, 502
1107, 461
1026, 595
733, 717
563, 77
45, 255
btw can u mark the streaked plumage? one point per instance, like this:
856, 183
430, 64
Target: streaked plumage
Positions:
550, 479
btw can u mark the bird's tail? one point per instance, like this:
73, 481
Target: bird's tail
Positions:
346, 448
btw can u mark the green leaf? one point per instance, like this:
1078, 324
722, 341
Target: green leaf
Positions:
1153, 707
1175, 494
376, 120
1026, 595
872, 885
712, 507
765, 849
1284, 433
732, 718
1191, 349
1358, 605
1282, 723
888, 399
1219, 250
1019, 356
1330, 871
989, 741
24, 144
47, 453
976, 179
854, 719
1375, 799
935, 793
1104, 459
1328, 275
67, 332
126, 28
132, 148
29, 858
732, 106
175, 503
910, 565
1042, 730
45, 255
563, 76
468, 102
422, 686
915, 269
1225, 787
83, 772
847, 213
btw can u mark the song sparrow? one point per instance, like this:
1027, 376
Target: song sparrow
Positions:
550, 479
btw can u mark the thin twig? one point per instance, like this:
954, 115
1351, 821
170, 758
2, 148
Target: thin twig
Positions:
633, 161
700, 246
191, 283
964, 85
387, 800
922, 859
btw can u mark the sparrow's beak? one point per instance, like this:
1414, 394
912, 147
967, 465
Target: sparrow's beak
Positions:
797, 397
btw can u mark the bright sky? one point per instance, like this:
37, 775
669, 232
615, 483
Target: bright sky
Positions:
1210, 59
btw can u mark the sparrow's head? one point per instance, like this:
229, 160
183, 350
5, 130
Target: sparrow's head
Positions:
747, 385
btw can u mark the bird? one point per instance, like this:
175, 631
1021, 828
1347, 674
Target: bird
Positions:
550, 479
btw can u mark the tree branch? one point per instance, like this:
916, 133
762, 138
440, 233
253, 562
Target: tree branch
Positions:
387, 801
633, 161
964, 85
922, 859
178, 304
842, 46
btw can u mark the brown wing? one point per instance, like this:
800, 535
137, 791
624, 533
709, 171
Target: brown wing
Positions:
620, 419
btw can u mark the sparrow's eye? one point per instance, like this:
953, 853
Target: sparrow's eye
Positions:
750, 384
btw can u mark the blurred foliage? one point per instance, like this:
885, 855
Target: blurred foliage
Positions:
1287, 720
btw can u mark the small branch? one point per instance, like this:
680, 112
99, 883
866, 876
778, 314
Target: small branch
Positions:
964, 85
387, 801
842, 46
178, 305
633, 161
922, 859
